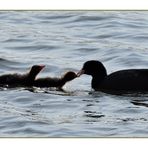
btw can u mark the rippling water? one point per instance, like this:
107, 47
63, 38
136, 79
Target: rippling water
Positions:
64, 40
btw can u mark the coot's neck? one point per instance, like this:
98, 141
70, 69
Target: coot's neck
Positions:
62, 82
97, 78
31, 76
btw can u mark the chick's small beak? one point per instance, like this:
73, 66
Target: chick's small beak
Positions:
42, 67
80, 73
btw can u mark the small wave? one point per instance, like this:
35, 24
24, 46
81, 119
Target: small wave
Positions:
7, 62
93, 114
87, 49
139, 103
54, 15
34, 47
90, 18
11, 40
133, 119
8, 65
51, 91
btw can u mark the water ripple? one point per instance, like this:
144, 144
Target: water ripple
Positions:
63, 41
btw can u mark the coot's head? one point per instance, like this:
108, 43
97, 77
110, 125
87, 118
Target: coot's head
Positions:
69, 76
35, 70
92, 68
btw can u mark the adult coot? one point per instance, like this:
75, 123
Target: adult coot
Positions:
55, 82
123, 81
21, 79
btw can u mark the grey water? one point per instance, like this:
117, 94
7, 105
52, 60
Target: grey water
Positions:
63, 41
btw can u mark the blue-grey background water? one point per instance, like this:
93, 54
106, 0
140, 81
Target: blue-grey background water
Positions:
63, 41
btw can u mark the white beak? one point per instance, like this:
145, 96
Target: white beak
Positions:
80, 73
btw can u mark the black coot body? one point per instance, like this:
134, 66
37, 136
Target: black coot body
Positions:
130, 80
21, 79
55, 82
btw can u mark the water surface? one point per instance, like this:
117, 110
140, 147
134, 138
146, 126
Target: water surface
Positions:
63, 41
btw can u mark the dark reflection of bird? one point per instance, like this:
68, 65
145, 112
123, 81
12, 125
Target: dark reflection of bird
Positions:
55, 82
21, 79
130, 80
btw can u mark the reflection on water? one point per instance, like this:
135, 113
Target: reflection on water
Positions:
63, 41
